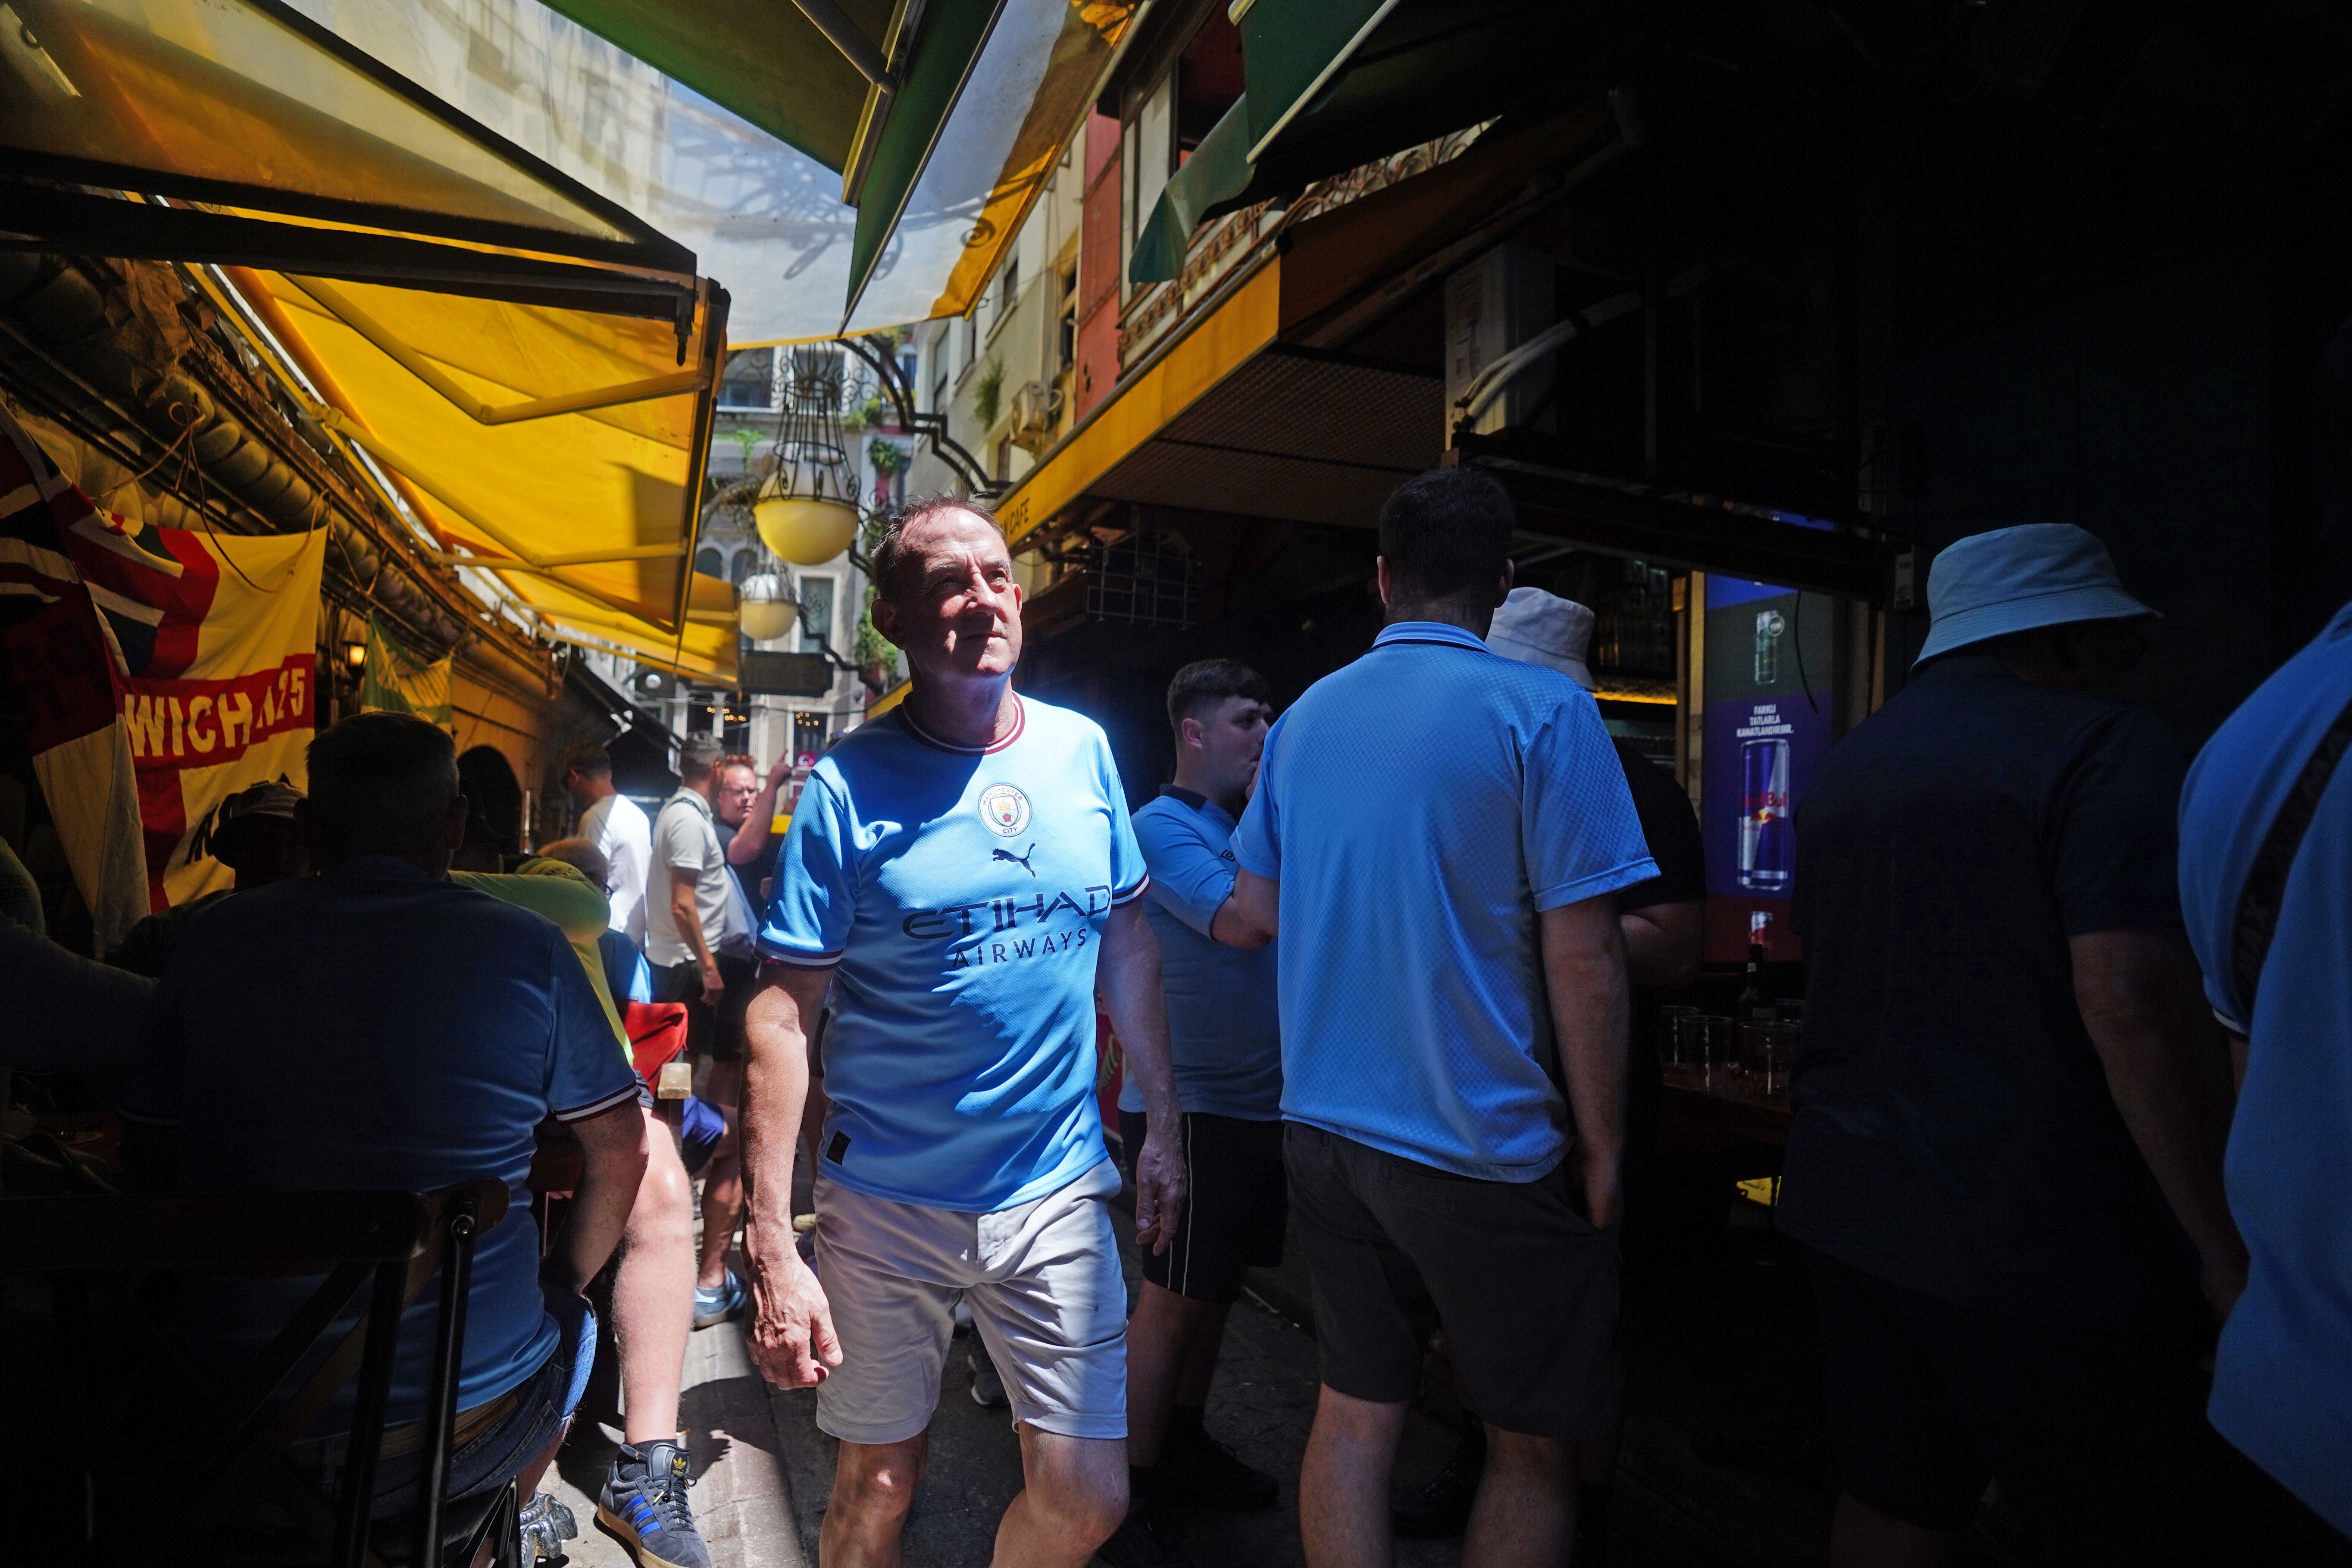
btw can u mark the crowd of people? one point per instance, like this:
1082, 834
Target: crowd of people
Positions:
1396, 1009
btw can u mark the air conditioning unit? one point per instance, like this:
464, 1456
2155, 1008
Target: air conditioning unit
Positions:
1492, 306
1034, 405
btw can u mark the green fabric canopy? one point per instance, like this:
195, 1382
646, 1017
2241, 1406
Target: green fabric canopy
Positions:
1333, 84
765, 59
1219, 170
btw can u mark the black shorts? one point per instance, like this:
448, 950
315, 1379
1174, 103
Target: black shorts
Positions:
715, 1032
2095, 1433
1524, 1286
1234, 1217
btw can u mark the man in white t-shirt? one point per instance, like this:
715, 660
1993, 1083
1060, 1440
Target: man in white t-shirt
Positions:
616, 825
688, 891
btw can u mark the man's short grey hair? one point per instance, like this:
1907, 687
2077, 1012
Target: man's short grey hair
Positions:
383, 782
888, 556
698, 754
581, 856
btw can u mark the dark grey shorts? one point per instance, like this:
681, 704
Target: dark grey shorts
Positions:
1524, 1286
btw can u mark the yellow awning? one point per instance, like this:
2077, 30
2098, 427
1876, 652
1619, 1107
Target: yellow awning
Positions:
559, 451
1209, 351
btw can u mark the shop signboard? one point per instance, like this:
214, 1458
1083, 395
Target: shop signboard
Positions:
1766, 729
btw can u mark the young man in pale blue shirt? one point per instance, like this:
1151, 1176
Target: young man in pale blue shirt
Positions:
1451, 961
1225, 1040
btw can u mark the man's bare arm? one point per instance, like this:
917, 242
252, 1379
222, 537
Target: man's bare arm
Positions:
686, 916
1584, 977
1663, 942
613, 1148
752, 836
792, 1341
1229, 927
2141, 1002
1258, 900
1128, 976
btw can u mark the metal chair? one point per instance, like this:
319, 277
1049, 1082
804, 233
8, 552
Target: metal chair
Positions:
397, 1240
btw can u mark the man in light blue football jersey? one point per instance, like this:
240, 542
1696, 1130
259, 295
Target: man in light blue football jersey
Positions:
961, 875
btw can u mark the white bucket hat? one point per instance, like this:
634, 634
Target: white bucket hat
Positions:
1537, 627
2016, 579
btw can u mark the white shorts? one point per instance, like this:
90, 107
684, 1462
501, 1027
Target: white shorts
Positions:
1044, 1284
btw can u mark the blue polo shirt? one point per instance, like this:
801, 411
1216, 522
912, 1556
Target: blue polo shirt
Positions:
963, 895
1225, 1033
376, 1028
2282, 1374
1420, 807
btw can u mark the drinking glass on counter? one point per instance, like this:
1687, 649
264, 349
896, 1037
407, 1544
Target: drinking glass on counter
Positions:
1751, 1039
1678, 1046
1717, 1045
1779, 1054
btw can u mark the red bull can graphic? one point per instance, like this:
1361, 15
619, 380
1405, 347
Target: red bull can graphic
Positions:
1766, 839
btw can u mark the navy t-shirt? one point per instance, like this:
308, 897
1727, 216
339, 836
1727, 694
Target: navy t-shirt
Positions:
1953, 1129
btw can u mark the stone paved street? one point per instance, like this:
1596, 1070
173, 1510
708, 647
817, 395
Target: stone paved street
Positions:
1261, 1405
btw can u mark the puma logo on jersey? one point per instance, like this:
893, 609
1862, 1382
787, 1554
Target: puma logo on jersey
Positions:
1021, 859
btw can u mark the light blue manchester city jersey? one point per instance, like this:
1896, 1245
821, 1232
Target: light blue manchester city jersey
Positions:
963, 895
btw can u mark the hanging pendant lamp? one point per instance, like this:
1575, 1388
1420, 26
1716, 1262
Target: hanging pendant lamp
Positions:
766, 604
806, 512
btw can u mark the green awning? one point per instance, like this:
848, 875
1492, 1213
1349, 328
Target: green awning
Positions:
1333, 84
1218, 173
765, 59
1290, 48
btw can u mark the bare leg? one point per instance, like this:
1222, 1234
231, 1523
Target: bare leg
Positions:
722, 1181
1161, 1341
653, 1293
873, 1486
1862, 1537
1526, 1511
1074, 1495
1343, 1484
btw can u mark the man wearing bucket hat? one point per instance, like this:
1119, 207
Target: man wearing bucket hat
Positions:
2003, 1161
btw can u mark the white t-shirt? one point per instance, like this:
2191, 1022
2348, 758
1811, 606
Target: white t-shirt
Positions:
685, 839
616, 825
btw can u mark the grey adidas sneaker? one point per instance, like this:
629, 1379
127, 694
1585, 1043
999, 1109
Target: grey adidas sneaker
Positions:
643, 1503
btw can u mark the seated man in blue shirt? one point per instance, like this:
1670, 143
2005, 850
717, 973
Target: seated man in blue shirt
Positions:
1226, 1041
961, 875
378, 1027
1450, 956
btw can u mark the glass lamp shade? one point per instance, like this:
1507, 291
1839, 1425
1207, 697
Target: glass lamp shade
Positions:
807, 530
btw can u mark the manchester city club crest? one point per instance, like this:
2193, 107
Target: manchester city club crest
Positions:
1004, 809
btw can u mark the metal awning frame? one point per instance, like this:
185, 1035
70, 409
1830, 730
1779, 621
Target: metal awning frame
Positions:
47, 218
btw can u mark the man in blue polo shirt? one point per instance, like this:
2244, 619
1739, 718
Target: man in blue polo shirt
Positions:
2265, 857
962, 874
1225, 1039
1450, 943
